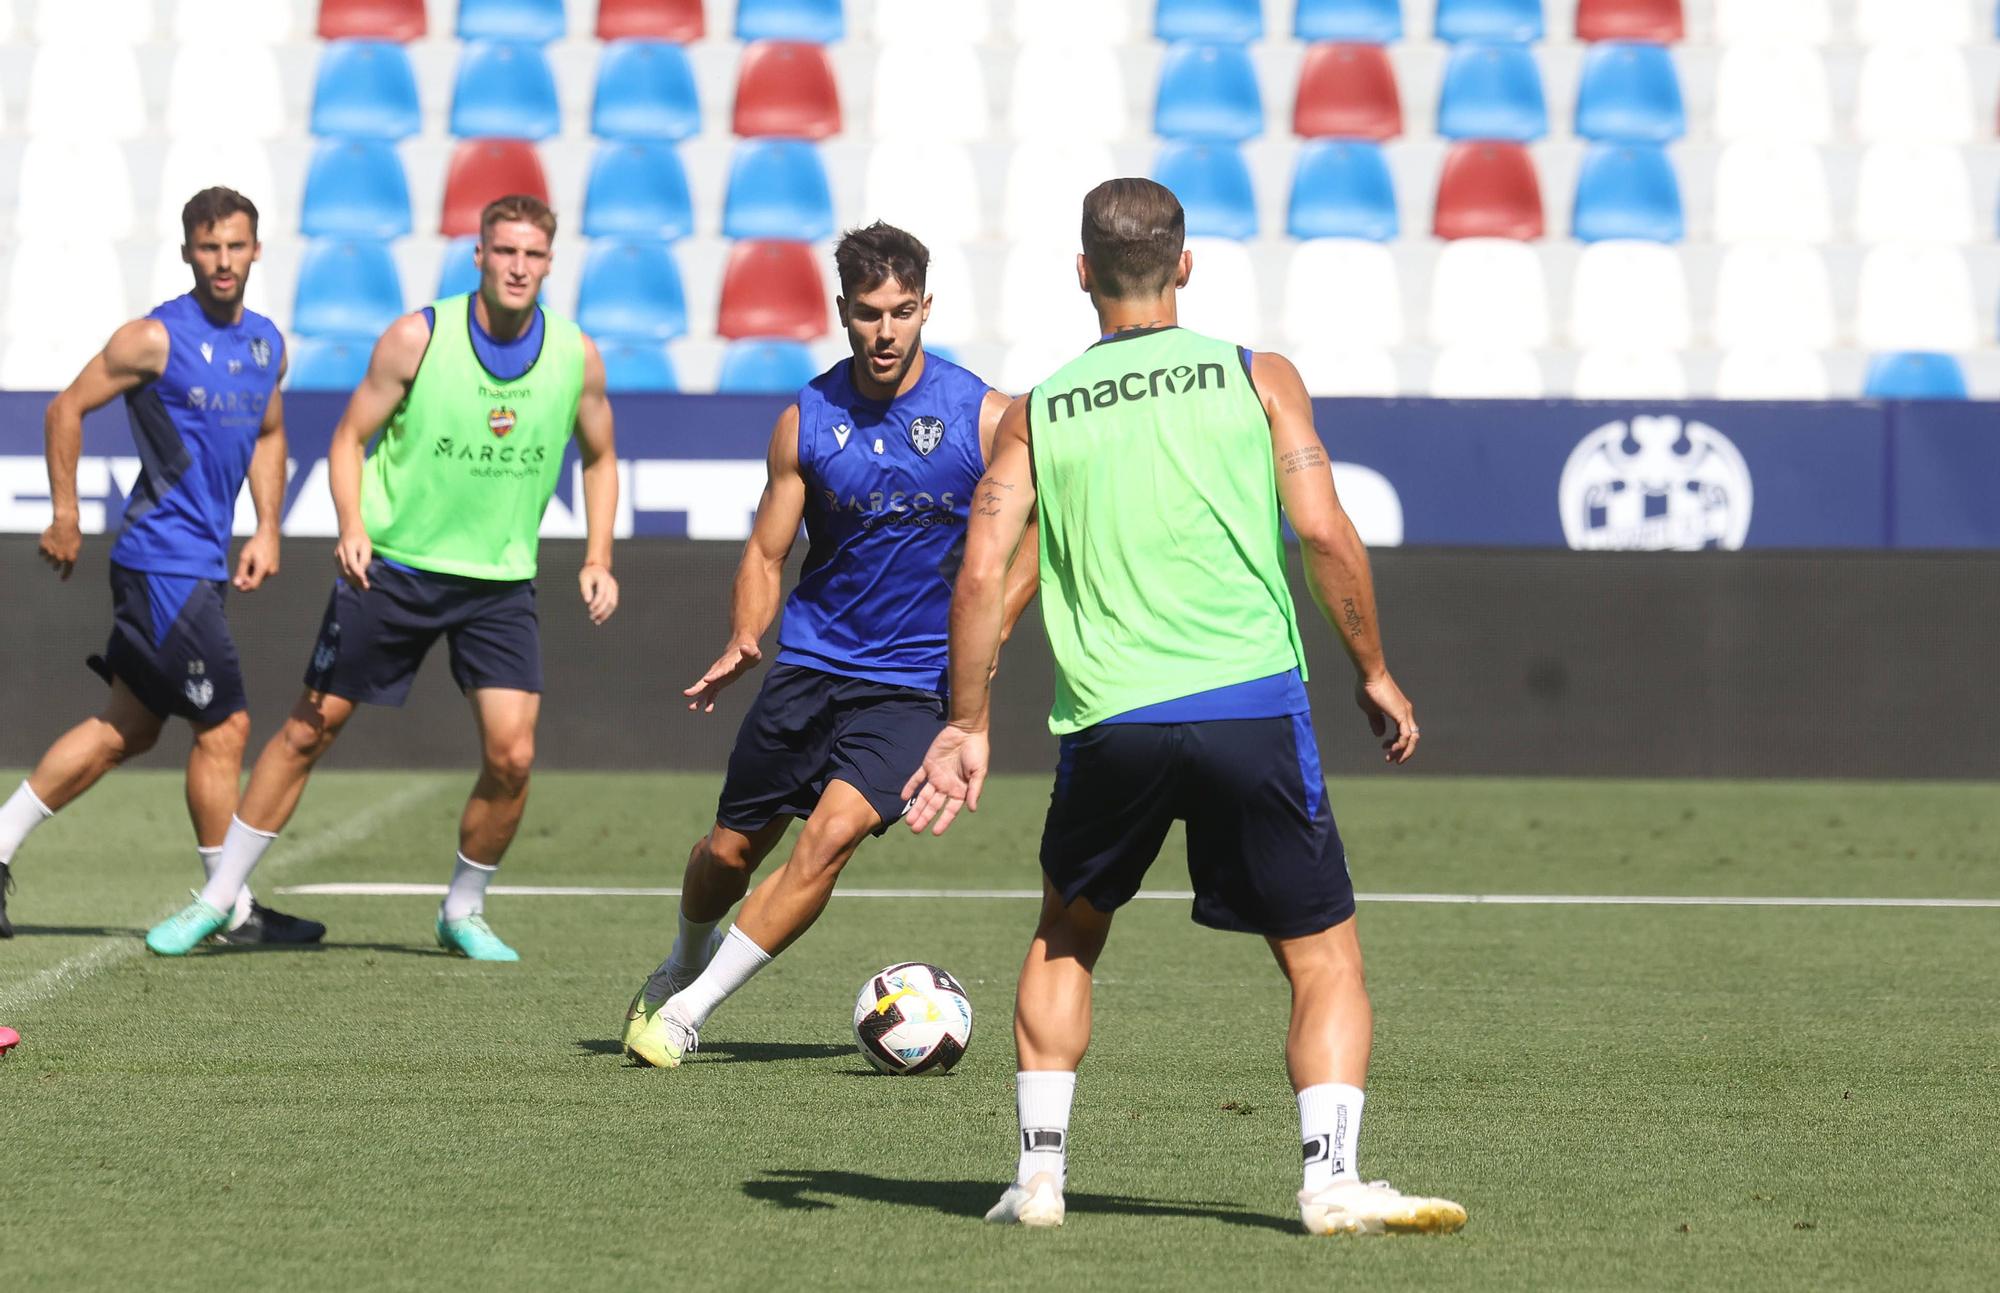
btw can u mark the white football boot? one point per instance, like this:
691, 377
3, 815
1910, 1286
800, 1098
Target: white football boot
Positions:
1039, 1203
1376, 1208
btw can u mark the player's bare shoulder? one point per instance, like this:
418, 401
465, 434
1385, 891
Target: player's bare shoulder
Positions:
139, 347
1277, 380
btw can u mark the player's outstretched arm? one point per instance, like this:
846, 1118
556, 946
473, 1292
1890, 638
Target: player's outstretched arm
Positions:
391, 370
259, 559
1335, 558
136, 353
760, 576
599, 450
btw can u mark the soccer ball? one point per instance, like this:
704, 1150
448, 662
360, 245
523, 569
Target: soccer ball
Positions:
912, 1018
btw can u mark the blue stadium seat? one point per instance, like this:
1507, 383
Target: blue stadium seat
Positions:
457, 275
1366, 22
631, 290
1915, 375
1512, 20
1208, 92
1342, 189
355, 188
327, 363
540, 21
637, 190
1492, 91
817, 22
777, 189
645, 90
1213, 183
1227, 22
1627, 191
346, 288
765, 368
1630, 93
637, 368
505, 90
365, 89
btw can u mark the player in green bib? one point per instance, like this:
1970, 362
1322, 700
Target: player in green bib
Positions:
475, 399
1158, 463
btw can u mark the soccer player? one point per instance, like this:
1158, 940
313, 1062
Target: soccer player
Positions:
200, 378
477, 397
1157, 462
878, 456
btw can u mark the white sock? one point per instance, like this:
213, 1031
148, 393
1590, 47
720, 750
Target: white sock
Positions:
240, 850
1329, 1128
689, 958
209, 859
735, 962
467, 894
1043, 1099
22, 813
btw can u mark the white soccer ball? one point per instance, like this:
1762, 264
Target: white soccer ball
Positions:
912, 1018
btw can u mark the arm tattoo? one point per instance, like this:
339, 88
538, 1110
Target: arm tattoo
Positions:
990, 496
1310, 458
1350, 615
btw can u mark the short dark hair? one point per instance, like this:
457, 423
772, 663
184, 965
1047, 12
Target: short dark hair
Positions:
1133, 231
211, 205
517, 206
870, 256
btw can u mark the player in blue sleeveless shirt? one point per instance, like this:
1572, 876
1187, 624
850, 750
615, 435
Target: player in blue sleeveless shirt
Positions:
878, 457
200, 378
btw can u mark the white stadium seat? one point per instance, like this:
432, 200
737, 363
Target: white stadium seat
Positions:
1027, 363
1489, 291
1770, 292
1486, 372
1759, 372
1331, 369
1772, 92
1343, 292
1089, 22
1798, 21
45, 363
1914, 192
232, 161
62, 287
1629, 294
268, 291
265, 22
1040, 299
233, 88
1630, 373
1221, 299
953, 105
1045, 187
931, 189
965, 22
77, 188
1772, 190
1068, 92
104, 22
81, 90
955, 314
1910, 92
1888, 22
1916, 297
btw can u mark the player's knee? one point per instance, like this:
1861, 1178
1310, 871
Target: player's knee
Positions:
727, 852
511, 761
308, 734
829, 840
120, 741
226, 738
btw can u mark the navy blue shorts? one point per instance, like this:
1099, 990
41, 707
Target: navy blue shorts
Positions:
170, 644
372, 641
1263, 851
807, 728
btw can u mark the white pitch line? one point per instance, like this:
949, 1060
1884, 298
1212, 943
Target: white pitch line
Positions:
102, 955
391, 890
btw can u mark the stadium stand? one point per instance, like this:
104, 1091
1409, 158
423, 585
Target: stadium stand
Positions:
637, 190
1657, 21
1492, 91
326, 363
645, 90
772, 289
765, 367
355, 188
1342, 189
1914, 375
539, 21
777, 189
631, 291
1488, 189
786, 88
347, 288
1347, 90
636, 368
482, 170
680, 21
397, 20
365, 89
505, 90
1214, 185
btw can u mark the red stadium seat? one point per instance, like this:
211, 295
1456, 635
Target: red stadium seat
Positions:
679, 21
773, 289
398, 20
482, 170
1347, 91
786, 88
1656, 21
1488, 190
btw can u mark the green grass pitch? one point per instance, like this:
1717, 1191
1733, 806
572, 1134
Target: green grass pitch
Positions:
1671, 1097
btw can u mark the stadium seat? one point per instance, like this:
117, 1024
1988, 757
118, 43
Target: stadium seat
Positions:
931, 189
1342, 189
1627, 191
1343, 292
537, 21
263, 24
953, 108
1079, 93
1488, 291
1208, 92
1486, 372
397, 20
326, 363
1915, 192
631, 290
1629, 373
457, 274
355, 188
1629, 93
680, 21
1372, 22
365, 89
786, 88
78, 90
820, 22
957, 313
1772, 372
637, 367
637, 190
1347, 91
1333, 371
1213, 184
1046, 184
1492, 91
107, 22
1768, 292
1226, 22
1772, 190
44, 363
74, 188
966, 22
1656, 21
211, 83
504, 90
1488, 190
773, 289
1629, 294
1916, 297
1039, 297
777, 189
1798, 22
645, 90
1027, 364
1221, 298
66, 287
1772, 92
192, 165
1914, 92
1510, 20
1915, 375
482, 170
1925, 22
765, 367
346, 289
1081, 24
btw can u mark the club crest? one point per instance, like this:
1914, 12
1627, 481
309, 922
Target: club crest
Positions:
926, 434
500, 421
260, 352
199, 692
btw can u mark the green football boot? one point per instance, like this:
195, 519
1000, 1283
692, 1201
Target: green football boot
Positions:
186, 929
658, 1038
473, 939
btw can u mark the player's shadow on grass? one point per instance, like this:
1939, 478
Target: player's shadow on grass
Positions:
77, 931
808, 1190
733, 1052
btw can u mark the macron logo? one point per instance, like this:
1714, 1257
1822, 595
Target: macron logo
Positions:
841, 432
